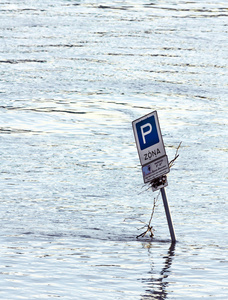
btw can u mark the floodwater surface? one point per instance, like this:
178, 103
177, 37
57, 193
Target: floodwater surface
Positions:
74, 75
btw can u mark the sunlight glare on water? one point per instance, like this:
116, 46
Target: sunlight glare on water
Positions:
74, 75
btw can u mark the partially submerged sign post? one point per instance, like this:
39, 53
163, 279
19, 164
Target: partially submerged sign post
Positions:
153, 158
150, 147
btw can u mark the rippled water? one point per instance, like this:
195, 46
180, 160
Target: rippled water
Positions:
74, 75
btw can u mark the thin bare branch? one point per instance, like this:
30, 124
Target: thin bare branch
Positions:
171, 163
155, 204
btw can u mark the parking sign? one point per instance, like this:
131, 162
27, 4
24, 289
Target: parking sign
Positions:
148, 138
147, 133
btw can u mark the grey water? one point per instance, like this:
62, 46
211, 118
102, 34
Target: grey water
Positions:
74, 75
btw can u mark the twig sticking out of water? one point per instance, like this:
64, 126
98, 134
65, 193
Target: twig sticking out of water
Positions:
149, 227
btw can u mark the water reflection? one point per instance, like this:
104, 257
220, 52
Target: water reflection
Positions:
157, 283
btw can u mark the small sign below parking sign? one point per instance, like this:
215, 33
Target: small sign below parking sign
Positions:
148, 138
155, 169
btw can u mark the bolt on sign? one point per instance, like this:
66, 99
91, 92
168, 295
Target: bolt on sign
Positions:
150, 147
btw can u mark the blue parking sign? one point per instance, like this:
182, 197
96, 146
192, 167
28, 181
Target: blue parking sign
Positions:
148, 138
147, 133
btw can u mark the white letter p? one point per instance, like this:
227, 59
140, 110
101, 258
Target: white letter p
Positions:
146, 132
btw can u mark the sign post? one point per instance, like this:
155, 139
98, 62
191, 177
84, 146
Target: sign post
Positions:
153, 158
168, 215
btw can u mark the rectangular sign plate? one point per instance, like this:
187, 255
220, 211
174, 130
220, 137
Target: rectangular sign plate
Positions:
148, 138
155, 169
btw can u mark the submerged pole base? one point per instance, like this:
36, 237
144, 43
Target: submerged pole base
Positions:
168, 215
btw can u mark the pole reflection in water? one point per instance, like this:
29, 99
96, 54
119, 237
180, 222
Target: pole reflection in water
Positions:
158, 283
